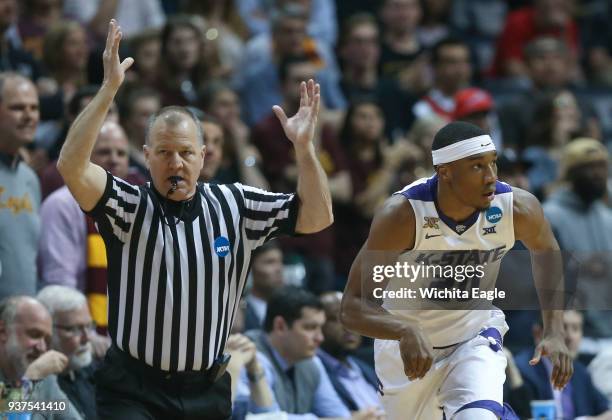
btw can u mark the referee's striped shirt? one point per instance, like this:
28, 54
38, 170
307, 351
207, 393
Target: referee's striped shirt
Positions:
174, 285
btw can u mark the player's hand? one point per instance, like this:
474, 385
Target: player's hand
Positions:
49, 363
417, 353
554, 347
114, 69
300, 128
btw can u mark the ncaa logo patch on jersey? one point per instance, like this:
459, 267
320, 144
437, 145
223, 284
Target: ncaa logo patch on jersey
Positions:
222, 246
494, 214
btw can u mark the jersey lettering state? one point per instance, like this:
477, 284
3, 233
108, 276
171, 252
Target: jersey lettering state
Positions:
451, 255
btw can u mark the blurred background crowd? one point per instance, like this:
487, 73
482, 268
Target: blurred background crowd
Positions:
536, 74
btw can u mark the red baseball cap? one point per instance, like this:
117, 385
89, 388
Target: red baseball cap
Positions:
471, 100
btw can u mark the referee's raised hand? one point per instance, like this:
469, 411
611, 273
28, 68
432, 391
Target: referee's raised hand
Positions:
114, 69
301, 127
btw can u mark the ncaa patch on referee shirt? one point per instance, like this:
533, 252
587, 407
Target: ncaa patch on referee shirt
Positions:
222, 246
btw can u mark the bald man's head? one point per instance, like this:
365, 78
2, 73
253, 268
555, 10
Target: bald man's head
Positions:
339, 342
111, 149
19, 114
25, 330
174, 119
174, 152
331, 303
12, 307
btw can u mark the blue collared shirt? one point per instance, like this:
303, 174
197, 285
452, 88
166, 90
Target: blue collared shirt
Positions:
326, 402
351, 377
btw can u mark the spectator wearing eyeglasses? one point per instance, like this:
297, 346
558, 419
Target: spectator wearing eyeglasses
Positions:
72, 330
28, 368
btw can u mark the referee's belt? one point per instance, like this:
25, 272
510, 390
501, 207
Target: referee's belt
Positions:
211, 375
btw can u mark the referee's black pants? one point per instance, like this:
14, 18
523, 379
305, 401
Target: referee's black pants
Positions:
129, 389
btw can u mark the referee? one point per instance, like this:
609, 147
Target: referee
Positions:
178, 252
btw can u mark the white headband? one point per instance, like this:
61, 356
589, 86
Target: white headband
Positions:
462, 149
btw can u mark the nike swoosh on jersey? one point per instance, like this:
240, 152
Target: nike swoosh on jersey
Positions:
483, 145
427, 236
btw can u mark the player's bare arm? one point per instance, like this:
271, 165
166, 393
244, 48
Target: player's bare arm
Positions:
392, 232
86, 180
532, 228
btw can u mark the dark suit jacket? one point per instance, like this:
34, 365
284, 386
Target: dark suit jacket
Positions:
81, 390
346, 394
588, 401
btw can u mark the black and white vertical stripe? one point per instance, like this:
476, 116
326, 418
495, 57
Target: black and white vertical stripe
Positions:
172, 298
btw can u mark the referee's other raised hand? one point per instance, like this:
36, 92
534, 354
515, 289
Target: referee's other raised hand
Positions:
114, 69
300, 128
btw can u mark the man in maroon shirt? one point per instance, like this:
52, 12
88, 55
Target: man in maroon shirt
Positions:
280, 169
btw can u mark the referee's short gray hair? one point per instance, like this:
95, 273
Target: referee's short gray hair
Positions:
61, 299
176, 114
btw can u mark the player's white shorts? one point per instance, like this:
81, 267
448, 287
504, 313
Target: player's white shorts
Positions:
467, 375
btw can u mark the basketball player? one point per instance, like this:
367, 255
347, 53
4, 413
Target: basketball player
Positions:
435, 364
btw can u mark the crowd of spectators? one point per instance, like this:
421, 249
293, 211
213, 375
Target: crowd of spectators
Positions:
536, 74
